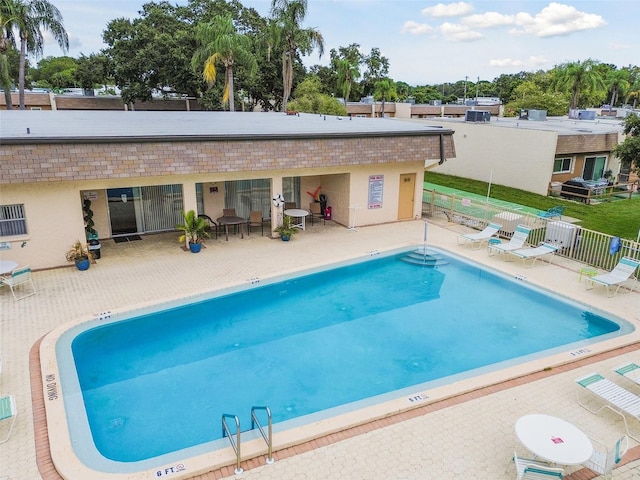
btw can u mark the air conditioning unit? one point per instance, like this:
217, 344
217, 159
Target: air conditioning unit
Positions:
477, 116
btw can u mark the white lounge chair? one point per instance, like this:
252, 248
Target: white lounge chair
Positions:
517, 241
630, 371
19, 276
616, 398
477, 239
622, 272
535, 253
603, 460
8, 411
528, 468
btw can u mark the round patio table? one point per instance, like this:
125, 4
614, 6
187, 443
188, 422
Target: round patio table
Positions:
299, 214
554, 439
226, 221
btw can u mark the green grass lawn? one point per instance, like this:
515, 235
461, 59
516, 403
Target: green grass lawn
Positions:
620, 218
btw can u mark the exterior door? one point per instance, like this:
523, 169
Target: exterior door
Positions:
406, 196
122, 211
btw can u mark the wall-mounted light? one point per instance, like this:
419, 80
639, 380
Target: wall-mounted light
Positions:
23, 244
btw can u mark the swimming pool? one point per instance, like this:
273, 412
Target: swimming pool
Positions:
333, 345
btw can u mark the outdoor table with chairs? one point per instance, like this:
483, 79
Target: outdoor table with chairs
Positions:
553, 439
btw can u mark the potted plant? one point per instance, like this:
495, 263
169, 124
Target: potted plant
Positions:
80, 254
286, 230
195, 230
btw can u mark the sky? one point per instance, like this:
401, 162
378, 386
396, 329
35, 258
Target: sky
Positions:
428, 42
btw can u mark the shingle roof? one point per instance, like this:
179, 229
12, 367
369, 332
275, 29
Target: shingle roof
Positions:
18, 127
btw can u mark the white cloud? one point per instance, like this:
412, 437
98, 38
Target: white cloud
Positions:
448, 10
533, 61
488, 20
556, 19
454, 32
416, 28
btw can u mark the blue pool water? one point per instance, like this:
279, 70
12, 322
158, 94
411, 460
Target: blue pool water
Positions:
160, 382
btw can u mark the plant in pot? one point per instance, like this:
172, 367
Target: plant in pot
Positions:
286, 231
194, 230
80, 254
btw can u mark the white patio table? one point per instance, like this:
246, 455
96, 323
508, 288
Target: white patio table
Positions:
299, 214
554, 439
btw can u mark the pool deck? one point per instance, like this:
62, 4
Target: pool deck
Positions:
466, 435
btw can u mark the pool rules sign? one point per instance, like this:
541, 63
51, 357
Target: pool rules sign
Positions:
376, 187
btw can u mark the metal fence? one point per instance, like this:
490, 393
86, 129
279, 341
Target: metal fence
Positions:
581, 244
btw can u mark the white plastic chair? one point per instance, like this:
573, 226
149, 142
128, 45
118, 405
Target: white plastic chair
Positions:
8, 411
533, 254
19, 276
615, 398
518, 240
477, 239
604, 460
522, 464
622, 272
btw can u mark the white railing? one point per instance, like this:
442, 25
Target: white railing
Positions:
581, 244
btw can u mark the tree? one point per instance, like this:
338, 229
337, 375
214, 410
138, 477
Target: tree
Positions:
32, 17
347, 65
219, 41
377, 67
308, 98
153, 53
92, 70
54, 67
384, 89
8, 17
529, 95
285, 31
618, 82
578, 77
629, 151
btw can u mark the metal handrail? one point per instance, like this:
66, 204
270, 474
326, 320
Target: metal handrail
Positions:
268, 437
235, 444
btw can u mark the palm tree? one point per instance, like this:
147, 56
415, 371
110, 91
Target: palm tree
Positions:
384, 89
618, 82
578, 76
220, 42
7, 19
347, 74
285, 31
32, 16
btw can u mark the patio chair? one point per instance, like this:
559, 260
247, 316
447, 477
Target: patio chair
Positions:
620, 274
255, 220
522, 463
604, 459
316, 212
615, 398
290, 205
517, 241
477, 239
630, 371
553, 212
19, 276
8, 411
533, 254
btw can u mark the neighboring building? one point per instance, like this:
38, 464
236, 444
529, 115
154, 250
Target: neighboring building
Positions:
75, 101
531, 155
140, 169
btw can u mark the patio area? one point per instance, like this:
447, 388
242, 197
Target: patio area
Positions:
469, 435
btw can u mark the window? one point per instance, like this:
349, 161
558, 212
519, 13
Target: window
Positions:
12, 220
562, 165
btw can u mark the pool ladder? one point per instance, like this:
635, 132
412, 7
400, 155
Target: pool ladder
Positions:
235, 443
